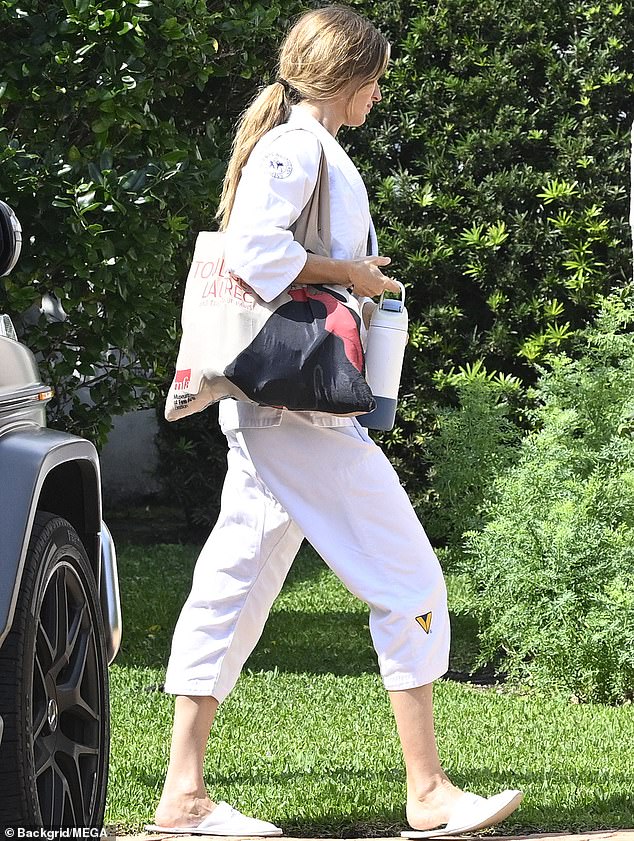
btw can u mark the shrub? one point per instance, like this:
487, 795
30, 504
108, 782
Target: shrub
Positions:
498, 169
192, 466
554, 564
116, 116
475, 441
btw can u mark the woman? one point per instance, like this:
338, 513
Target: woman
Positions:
294, 475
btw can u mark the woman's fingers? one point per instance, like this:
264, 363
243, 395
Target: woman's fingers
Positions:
391, 285
369, 279
388, 283
380, 261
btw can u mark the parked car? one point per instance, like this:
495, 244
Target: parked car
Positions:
60, 615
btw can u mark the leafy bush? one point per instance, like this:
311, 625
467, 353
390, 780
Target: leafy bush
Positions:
115, 125
497, 164
192, 466
499, 168
475, 441
554, 564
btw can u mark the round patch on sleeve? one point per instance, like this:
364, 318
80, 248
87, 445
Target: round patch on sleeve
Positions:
278, 166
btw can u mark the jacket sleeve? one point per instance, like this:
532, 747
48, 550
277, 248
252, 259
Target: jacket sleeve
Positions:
276, 183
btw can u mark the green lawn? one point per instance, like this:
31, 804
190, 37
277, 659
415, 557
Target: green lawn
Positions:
307, 738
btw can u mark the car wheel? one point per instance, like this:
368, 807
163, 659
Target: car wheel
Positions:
54, 689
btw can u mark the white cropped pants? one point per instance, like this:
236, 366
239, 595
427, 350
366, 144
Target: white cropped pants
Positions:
334, 486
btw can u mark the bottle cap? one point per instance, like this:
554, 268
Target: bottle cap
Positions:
391, 305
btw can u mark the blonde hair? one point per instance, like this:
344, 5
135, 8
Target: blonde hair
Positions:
326, 50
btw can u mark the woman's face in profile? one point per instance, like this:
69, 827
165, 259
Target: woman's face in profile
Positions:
361, 102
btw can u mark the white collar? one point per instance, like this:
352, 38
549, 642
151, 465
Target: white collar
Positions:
302, 117
335, 153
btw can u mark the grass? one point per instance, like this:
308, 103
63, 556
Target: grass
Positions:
307, 738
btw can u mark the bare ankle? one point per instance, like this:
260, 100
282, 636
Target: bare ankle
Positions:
183, 807
180, 789
430, 802
430, 788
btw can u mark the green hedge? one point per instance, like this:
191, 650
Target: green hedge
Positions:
115, 125
498, 172
497, 168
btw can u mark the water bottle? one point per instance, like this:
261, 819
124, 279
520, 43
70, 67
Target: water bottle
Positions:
387, 337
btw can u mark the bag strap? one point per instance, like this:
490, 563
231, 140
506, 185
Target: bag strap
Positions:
312, 228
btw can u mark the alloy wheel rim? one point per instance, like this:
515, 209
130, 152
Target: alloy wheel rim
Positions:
66, 702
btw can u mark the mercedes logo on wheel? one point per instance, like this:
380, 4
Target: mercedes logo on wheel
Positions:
51, 714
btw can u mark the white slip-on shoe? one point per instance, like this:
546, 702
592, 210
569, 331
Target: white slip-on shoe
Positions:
473, 812
223, 820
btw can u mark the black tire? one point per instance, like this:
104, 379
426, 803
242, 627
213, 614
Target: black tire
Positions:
54, 689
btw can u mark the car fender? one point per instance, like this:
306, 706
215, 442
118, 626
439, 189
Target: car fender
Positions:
53, 471
109, 593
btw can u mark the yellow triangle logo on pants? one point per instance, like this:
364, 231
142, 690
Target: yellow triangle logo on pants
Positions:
425, 621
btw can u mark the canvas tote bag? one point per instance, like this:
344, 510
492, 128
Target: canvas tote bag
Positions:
301, 351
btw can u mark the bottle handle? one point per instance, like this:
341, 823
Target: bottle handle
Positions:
402, 301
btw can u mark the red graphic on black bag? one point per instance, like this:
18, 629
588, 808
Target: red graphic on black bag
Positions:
314, 334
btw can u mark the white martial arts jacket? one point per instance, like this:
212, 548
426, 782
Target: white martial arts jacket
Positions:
276, 183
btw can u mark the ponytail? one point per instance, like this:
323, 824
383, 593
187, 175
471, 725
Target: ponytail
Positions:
269, 109
327, 51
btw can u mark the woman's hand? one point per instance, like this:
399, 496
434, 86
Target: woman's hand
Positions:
363, 276
367, 279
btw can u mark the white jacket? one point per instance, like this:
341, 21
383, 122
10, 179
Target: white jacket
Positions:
276, 183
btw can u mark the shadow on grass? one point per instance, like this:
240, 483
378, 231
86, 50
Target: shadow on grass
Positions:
339, 643
530, 819
297, 642
155, 582
331, 642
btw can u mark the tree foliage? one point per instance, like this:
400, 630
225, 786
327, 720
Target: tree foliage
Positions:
116, 122
496, 165
497, 168
500, 174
